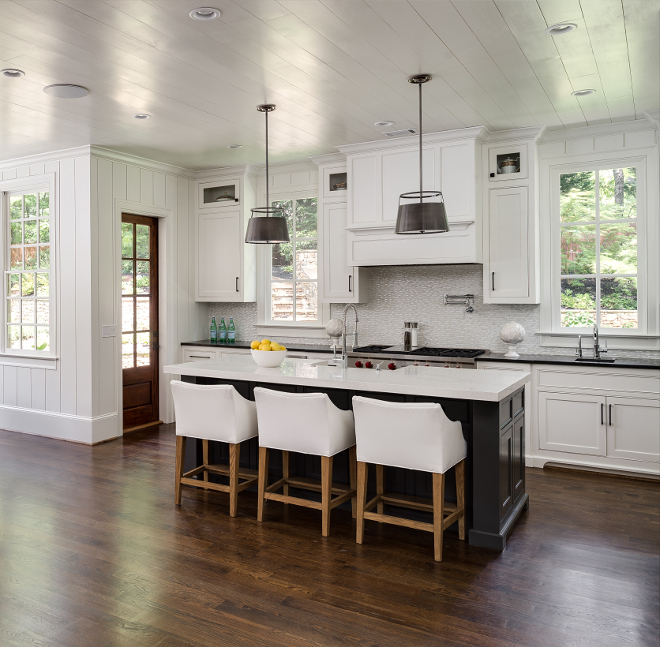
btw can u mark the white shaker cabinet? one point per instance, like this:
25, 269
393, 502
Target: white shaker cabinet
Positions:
225, 266
633, 429
506, 236
571, 422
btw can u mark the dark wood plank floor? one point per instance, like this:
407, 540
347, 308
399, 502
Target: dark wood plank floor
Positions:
93, 552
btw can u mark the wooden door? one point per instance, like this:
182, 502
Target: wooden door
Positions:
507, 244
139, 288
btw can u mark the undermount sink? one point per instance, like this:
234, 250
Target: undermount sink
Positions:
604, 360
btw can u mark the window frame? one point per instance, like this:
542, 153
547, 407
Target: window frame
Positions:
265, 324
553, 316
31, 184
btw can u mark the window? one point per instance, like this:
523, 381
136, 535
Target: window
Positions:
27, 265
599, 263
293, 276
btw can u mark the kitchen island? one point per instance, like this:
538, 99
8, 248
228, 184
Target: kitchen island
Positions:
489, 405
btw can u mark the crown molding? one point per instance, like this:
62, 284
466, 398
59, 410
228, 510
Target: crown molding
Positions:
584, 132
227, 171
479, 133
513, 134
41, 158
143, 162
329, 159
653, 117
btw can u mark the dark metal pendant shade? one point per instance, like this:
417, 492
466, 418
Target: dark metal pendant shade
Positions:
263, 230
267, 225
426, 215
422, 218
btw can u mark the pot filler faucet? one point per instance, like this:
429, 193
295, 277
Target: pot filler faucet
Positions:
344, 352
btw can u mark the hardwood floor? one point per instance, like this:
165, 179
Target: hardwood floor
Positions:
93, 552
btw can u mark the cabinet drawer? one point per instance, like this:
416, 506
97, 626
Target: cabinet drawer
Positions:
194, 355
599, 380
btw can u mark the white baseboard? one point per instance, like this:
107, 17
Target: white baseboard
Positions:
63, 426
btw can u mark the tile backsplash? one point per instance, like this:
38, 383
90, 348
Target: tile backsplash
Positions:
416, 293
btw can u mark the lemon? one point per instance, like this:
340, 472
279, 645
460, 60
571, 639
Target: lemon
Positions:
264, 347
265, 341
274, 345
282, 347
255, 345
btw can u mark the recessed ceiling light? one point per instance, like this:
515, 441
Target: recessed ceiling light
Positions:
142, 115
66, 91
560, 28
233, 146
583, 93
384, 123
205, 13
12, 72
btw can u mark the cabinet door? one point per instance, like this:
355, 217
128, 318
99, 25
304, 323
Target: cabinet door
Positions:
196, 354
633, 429
518, 462
506, 470
338, 284
508, 266
572, 423
219, 249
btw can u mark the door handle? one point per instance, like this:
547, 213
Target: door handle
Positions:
610, 414
350, 289
237, 284
602, 414
492, 281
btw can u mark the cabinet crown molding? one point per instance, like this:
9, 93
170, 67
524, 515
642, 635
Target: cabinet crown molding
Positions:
446, 136
329, 159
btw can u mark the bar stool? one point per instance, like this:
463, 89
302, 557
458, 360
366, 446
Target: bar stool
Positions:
308, 423
416, 436
213, 412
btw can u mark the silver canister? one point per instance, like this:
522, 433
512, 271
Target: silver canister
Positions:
407, 335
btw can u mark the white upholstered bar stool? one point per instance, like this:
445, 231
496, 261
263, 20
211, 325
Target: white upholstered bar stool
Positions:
308, 423
213, 412
416, 436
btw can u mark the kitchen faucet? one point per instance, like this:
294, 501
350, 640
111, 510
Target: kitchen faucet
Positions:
597, 348
344, 352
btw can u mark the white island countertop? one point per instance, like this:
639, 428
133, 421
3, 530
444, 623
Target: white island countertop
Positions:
459, 384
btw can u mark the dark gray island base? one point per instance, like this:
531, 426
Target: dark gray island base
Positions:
495, 466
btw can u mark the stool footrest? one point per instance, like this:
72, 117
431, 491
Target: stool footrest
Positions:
399, 521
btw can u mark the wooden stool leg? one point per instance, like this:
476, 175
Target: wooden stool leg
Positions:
234, 457
178, 467
460, 497
263, 481
352, 471
438, 514
380, 488
285, 472
326, 493
362, 472
205, 457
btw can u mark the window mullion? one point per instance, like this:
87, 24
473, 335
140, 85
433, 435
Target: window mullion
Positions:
597, 207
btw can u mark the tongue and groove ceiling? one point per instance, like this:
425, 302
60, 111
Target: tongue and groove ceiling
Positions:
333, 67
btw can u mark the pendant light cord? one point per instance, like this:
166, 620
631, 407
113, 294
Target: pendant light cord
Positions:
267, 181
420, 143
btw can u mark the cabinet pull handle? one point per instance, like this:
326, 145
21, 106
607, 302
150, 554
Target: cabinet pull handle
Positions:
492, 281
237, 284
199, 357
602, 414
610, 415
350, 289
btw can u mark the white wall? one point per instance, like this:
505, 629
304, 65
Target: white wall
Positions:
79, 398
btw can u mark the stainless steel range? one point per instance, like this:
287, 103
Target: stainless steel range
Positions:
424, 356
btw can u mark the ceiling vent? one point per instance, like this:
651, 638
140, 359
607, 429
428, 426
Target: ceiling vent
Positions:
406, 132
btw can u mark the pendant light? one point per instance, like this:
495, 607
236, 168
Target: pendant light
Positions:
421, 217
267, 224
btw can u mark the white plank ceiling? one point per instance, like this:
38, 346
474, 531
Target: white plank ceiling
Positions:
333, 67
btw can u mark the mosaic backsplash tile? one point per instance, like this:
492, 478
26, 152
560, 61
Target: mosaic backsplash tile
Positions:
416, 293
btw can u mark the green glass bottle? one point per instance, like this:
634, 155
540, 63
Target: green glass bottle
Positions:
231, 332
214, 331
222, 331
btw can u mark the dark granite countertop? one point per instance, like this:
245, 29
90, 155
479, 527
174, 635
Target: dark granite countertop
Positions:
621, 362
295, 347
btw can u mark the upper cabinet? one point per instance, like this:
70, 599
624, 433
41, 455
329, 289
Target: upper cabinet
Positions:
339, 280
510, 218
225, 266
378, 172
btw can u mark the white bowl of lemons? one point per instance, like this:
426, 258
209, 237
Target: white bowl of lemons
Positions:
268, 354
